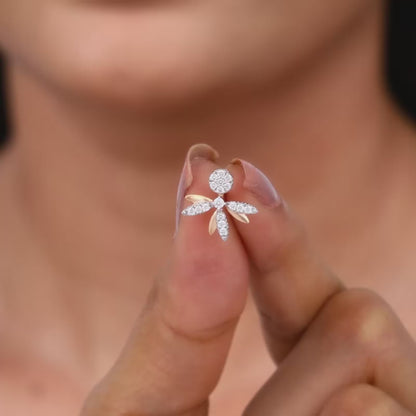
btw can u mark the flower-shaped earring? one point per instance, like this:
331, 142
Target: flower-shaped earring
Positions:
220, 181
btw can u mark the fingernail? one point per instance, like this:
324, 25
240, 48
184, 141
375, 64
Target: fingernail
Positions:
197, 151
258, 183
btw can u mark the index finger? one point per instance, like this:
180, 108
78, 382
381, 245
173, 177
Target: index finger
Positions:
290, 283
177, 350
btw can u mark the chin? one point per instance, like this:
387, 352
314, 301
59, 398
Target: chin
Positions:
138, 82
145, 60
150, 59
130, 61
168, 77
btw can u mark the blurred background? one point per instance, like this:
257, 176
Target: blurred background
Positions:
400, 62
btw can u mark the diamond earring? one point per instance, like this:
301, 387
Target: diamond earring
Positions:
220, 181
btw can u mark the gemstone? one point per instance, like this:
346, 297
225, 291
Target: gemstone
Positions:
242, 207
222, 224
218, 202
220, 181
197, 208
220, 215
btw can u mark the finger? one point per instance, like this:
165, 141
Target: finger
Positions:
177, 351
355, 339
363, 400
290, 284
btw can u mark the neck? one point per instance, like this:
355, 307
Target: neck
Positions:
99, 187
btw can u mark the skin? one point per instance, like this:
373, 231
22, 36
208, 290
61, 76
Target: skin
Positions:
107, 96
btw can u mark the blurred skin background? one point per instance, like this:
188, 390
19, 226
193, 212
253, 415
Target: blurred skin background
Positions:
105, 97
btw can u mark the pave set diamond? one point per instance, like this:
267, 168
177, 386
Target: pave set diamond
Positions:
220, 181
197, 208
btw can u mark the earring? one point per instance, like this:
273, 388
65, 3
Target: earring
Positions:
220, 181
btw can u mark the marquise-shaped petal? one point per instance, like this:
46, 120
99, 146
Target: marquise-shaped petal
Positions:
212, 223
197, 208
240, 217
222, 224
241, 207
197, 198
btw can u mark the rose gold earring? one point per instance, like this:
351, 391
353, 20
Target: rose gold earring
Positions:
220, 181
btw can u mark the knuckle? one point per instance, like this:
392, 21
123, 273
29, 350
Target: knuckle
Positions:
197, 335
359, 400
360, 319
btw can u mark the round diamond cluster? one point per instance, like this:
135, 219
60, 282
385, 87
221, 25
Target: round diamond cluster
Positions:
220, 181
242, 207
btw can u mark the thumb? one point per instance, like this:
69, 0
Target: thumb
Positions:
177, 350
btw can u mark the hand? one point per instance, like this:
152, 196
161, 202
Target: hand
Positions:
340, 351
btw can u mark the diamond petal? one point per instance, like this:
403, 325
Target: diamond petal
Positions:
241, 207
240, 217
222, 224
197, 208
